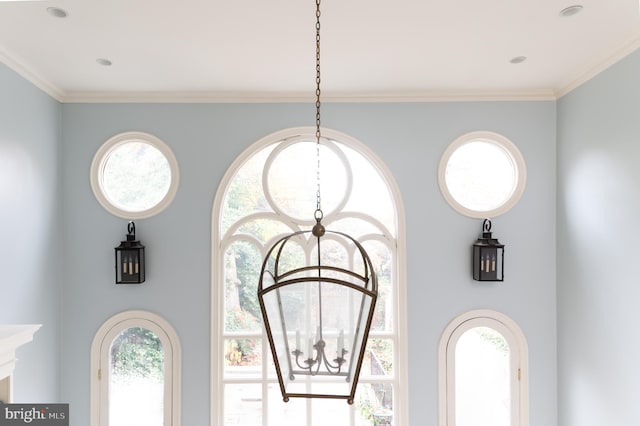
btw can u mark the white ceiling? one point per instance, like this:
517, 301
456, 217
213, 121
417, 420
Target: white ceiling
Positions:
208, 50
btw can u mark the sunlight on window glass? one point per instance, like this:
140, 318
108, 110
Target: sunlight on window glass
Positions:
136, 379
481, 176
482, 386
293, 180
136, 176
272, 194
370, 192
374, 404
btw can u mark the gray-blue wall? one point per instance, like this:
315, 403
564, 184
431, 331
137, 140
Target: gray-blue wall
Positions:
598, 233
30, 231
64, 254
410, 138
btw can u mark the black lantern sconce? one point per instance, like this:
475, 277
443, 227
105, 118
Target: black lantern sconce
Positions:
130, 259
488, 256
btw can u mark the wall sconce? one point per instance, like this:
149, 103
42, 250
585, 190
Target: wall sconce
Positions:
488, 256
130, 259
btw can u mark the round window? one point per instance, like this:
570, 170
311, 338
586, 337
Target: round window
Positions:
482, 174
134, 175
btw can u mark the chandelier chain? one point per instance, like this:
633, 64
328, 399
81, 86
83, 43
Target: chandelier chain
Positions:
318, 204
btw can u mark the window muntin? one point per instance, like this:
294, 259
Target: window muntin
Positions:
482, 174
253, 214
483, 371
134, 175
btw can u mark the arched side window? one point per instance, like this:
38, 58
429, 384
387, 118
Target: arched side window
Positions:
135, 371
483, 371
270, 192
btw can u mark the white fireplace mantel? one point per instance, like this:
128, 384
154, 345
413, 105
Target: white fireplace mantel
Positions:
12, 337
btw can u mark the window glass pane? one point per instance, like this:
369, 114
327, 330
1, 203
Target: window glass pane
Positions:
293, 180
333, 254
378, 359
283, 413
264, 230
370, 194
136, 379
481, 175
355, 227
242, 264
329, 412
242, 358
482, 385
243, 404
382, 260
245, 195
136, 176
374, 404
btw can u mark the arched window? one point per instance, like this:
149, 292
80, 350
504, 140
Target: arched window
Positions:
269, 192
483, 371
135, 372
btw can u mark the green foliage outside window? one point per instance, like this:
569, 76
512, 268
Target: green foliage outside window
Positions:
137, 353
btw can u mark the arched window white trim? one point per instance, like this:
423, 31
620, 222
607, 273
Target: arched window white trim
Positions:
400, 399
519, 363
100, 363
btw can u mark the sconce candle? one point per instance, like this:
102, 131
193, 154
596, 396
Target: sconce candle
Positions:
488, 256
130, 259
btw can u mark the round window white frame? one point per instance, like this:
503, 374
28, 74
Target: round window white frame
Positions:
509, 148
307, 138
99, 162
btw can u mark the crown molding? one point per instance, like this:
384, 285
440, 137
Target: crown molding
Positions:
31, 76
626, 47
242, 97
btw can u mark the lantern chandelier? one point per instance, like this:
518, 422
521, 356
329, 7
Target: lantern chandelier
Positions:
317, 313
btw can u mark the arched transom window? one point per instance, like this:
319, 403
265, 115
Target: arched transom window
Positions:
270, 192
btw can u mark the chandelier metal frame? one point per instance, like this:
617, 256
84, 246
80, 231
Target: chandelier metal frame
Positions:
291, 363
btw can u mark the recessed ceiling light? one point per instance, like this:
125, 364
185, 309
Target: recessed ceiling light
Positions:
518, 59
571, 10
104, 61
57, 12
